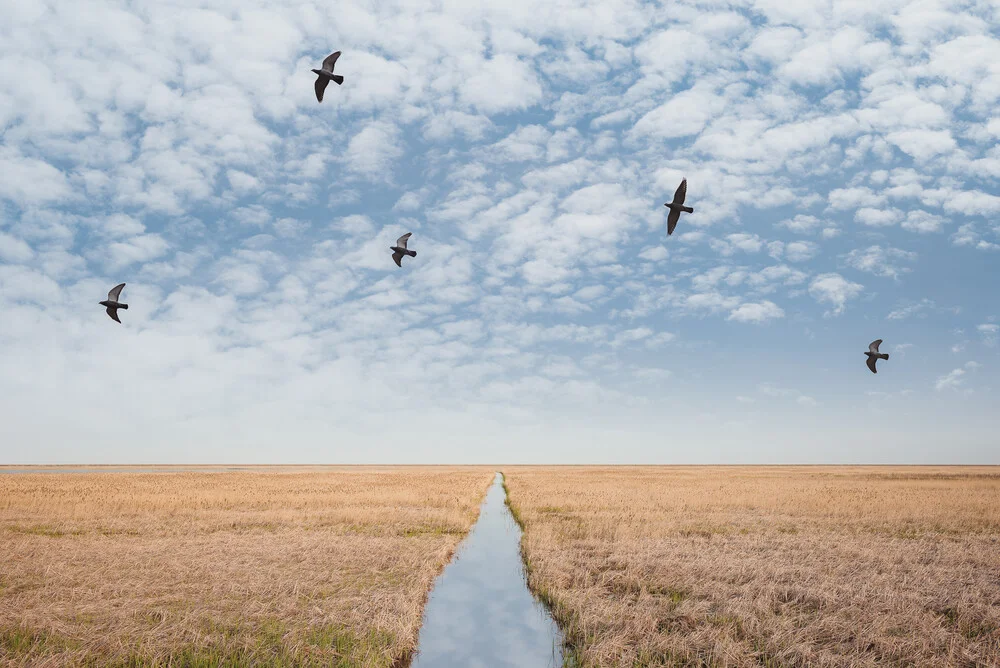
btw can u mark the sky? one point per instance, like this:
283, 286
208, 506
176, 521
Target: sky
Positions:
842, 162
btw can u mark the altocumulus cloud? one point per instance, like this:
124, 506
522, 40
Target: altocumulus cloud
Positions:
756, 312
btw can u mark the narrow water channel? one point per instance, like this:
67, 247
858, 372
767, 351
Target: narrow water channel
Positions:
480, 612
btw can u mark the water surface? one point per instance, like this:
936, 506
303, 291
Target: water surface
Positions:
480, 612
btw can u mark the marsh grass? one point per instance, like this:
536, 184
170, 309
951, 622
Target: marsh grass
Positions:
279, 568
766, 566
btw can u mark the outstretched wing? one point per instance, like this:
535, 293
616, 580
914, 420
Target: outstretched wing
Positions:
113, 312
321, 84
681, 192
401, 242
871, 363
330, 60
396, 257
873, 346
672, 219
115, 291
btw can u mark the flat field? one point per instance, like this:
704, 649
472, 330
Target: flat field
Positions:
766, 566
288, 566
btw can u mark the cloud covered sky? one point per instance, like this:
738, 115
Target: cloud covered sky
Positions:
842, 160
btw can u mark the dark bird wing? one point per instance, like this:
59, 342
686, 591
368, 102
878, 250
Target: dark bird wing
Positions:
113, 312
396, 257
321, 84
672, 219
873, 346
681, 192
871, 363
401, 242
330, 61
115, 291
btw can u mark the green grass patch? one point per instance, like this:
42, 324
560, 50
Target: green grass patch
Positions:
706, 530
437, 530
45, 530
675, 595
18, 643
269, 643
552, 510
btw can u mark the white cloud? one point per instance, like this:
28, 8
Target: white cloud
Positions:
711, 302
878, 217
747, 243
14, 250
955, 378
800, 251
683, 115
834, 289
19, 284
756, 312
922, 145
802, 224
241, 181
446, 125
765, 279
970, 60
372, 151
880, 261
922, 222
909, 310
989, 330
968, 235
354, 225
29, 181
503, 84
523, 144
137, 249
972, 203
775, 392
407, 202
654, 254
852, 198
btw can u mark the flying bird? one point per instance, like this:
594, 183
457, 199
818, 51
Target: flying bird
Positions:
324, 75
677, 206
399, 250
873, 354
112, 302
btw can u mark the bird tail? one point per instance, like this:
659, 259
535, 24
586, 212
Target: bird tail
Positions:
124, 306
337, 79
884, 356
687, 209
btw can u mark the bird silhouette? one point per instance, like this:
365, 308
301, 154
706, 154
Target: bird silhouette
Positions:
677, 206
399, 250
112, 302
324, 75
873, 354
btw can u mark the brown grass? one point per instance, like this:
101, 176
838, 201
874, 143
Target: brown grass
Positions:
772, 566
283, 567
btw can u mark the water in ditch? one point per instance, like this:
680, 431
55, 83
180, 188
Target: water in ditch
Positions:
480, 612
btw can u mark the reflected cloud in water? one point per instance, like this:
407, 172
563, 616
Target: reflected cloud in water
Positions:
480, 612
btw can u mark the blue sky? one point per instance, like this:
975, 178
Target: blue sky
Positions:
842, 161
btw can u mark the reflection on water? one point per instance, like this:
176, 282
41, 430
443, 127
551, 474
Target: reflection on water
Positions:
480, 612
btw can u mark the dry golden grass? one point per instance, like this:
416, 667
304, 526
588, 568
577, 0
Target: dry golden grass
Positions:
774, 566
284, 567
